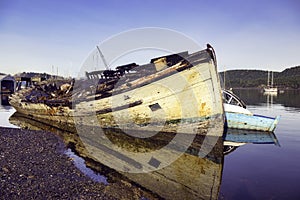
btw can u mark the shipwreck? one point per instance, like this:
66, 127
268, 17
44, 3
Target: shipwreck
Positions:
156, 124
180, 89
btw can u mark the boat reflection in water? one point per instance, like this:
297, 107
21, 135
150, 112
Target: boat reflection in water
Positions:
270, 98
189, 177
4, 99
235, 138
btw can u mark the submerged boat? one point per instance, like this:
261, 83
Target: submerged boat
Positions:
239, 117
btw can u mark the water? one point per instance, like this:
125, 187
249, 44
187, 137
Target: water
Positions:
256, 171
80, 164
5, 112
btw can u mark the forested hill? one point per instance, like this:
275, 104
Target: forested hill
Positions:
287, 79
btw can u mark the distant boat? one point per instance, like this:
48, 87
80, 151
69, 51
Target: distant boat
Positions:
270, 87
238, 117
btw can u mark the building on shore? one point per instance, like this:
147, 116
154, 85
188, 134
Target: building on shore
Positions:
7, 84
7, 87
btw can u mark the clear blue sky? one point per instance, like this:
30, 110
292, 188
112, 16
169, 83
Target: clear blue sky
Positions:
38, 34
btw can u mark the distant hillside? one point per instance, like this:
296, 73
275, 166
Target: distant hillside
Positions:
288, 79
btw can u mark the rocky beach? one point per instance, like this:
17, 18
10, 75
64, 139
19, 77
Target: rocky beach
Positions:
33, 165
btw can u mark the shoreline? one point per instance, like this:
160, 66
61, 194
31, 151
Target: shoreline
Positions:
33, 165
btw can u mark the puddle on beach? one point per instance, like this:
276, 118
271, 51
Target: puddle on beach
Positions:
5, 113
80, 164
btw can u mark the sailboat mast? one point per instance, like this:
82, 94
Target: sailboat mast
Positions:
103, 59
268, 83
272, 79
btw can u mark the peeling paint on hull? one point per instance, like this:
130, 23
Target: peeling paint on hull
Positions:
251, 122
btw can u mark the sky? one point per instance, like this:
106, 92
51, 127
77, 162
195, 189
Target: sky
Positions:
57, 36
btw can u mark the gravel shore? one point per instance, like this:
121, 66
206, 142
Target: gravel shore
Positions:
33, 166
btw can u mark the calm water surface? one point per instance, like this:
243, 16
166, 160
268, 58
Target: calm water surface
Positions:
257, 171
5, 112
266, 171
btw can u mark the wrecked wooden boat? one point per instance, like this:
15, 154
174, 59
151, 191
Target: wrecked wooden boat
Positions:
175, 93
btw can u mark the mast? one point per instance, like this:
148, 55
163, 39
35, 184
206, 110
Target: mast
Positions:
103, 59
224, 81
272, 79
268, 83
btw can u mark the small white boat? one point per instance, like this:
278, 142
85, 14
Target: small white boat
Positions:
238, 117
271, 90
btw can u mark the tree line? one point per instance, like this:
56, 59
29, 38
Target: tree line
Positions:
287, 79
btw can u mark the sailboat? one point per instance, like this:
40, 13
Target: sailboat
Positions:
270, 88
